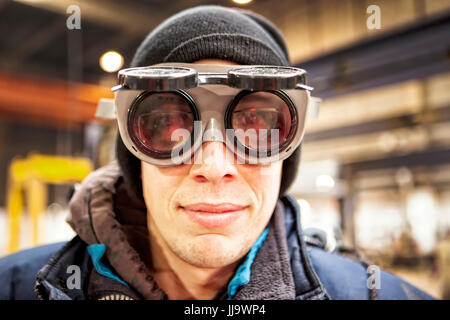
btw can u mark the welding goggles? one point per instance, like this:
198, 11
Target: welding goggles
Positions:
166, 111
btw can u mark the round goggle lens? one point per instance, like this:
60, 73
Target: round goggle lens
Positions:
261, 120
162, 121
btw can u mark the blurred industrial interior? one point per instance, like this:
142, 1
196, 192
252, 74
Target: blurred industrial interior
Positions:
375, 169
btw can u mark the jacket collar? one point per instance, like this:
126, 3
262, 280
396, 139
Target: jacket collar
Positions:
307, 283
271, 276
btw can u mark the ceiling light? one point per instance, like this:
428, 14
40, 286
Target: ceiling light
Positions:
111, 61
242, 1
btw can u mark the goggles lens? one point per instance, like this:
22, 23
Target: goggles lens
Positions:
261, 120
161, 122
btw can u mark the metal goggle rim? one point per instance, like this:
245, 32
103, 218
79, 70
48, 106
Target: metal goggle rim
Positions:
171, 78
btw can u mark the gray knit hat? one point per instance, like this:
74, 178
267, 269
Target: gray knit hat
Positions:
209, 32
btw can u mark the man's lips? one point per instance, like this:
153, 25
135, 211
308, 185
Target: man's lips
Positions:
213, 215
214, 208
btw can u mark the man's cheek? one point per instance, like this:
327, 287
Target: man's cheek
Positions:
264, 182
263, 173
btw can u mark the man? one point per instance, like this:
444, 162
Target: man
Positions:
210, 229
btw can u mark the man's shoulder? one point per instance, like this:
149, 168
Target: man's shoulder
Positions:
18, 271
347, 279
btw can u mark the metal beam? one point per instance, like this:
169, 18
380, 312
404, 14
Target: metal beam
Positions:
121, 14
414, 51
429, 116
3, 4
362, 128
426, 158
49, 101
40, 39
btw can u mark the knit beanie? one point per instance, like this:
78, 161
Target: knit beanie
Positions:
209, 32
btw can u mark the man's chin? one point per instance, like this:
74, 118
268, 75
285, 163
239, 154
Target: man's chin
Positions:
211, 251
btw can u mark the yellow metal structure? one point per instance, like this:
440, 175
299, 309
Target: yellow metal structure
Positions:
30, 177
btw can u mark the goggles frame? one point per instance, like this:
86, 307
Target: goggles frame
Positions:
212, 92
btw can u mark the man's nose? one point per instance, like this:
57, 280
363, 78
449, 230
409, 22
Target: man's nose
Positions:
214, 164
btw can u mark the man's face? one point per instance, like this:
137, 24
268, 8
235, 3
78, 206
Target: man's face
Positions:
209, 214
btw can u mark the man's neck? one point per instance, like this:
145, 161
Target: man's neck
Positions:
181, 280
